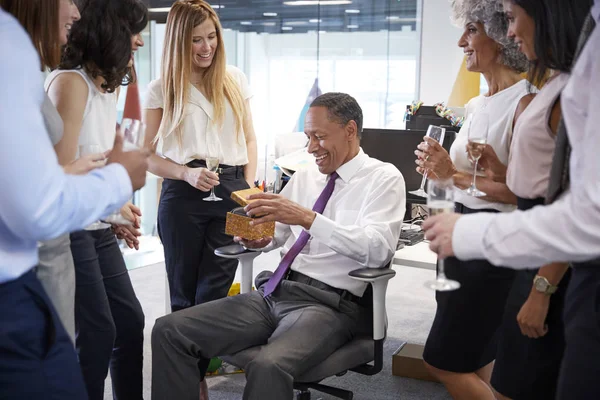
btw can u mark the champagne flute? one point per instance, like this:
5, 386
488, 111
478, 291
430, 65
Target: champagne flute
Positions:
477, 141
440, 200
212, 163
133, 132
85, 150
436, 133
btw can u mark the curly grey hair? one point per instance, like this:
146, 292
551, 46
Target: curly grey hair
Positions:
490, 13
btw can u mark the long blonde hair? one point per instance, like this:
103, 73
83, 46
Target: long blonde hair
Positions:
184, 16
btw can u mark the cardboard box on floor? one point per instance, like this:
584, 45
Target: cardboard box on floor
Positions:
407, 361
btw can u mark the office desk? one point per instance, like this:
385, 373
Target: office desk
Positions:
417, 256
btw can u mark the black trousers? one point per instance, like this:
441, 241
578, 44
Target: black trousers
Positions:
580, 369
190, 230
108, 317
37, 359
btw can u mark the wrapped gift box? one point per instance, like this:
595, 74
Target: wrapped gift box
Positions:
238, 223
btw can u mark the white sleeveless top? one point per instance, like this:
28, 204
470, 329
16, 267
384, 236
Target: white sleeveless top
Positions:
501, 108
200, 137
100, 115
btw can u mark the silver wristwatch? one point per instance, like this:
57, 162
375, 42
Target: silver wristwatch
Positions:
542, 285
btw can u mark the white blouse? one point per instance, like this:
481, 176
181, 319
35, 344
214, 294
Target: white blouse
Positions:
100, 116
501, 108
200, 138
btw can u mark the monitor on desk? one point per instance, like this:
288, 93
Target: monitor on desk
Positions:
397, 147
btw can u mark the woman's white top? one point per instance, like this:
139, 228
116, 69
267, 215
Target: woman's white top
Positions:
500, 108
100, 115
52, 120
200, 137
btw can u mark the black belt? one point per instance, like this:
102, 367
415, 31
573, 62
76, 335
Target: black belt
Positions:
235, 170
307, 280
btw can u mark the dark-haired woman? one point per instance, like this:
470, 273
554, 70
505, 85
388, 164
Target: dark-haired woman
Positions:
532, 339
98, 58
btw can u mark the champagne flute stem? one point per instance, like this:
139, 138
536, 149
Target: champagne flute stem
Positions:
441, 271
212, 191
423, 181
474, 173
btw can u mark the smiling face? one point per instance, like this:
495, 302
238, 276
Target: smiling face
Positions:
136, 42
68, 13
204, 44
481, 50
521, 29
332, 143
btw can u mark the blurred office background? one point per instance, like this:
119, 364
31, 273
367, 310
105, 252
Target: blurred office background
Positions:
293, 50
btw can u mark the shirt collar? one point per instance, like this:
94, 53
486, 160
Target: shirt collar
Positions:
596, 11
349, 169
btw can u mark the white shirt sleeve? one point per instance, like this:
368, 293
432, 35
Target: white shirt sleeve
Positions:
242, 81
154, 95
567, 230
39, 201
374, 241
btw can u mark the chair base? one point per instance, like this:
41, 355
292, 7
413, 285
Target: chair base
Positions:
304, 393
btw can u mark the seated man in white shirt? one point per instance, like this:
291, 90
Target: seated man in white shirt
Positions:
310, 306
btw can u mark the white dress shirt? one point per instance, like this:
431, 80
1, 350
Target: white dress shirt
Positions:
568, 229
38, 200
359, 227
200, 136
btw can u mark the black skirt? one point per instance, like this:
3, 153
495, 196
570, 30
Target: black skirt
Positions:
464, 334
528, 368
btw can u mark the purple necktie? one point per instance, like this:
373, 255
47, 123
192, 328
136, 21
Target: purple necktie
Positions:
289, 257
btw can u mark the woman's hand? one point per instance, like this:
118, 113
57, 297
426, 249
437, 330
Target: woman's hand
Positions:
132, 214
201, 178
431, 156
491, 165
532, 317
128, 233
85, 164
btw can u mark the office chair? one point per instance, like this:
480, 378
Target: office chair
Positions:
353, 356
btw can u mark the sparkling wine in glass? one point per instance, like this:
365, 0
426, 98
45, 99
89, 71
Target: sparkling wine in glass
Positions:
437, 134
440, 200
85, 150
133, 132
212, 163
477, 140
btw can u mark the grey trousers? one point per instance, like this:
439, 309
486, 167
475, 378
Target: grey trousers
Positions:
56, 272
297, 327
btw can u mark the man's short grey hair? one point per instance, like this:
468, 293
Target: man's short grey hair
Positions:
490, 13
342, 108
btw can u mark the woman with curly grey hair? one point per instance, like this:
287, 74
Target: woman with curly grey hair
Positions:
462, 343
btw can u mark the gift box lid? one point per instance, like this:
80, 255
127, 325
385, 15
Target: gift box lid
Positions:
239, 196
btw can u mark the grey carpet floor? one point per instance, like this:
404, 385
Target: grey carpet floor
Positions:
411, 308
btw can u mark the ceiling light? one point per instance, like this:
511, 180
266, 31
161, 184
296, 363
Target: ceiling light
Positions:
246, 23
295, 23
269, 14
352, 11
286, 28
317, 2
352, 26
322, 31
167, 9
315, 21
269, 23
227, 29
395, 18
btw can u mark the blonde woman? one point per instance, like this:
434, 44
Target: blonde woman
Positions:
198, 108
